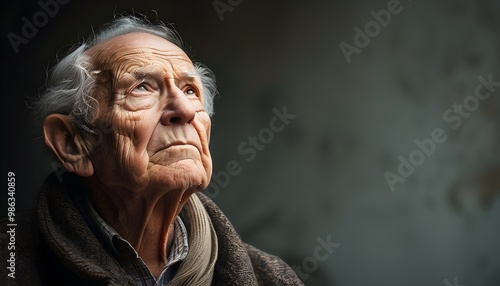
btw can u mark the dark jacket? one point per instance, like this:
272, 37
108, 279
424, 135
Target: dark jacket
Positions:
54, 246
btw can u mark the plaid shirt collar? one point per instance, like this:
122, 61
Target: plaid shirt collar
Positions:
124, 252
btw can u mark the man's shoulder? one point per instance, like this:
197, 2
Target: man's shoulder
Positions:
267, 269
270, 269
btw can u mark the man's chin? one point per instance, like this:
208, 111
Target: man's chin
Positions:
181, 174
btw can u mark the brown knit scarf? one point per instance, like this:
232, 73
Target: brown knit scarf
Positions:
198, 266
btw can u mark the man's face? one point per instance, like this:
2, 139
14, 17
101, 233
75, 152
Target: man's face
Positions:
149, 92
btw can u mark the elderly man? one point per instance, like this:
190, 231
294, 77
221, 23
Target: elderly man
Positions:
128, 116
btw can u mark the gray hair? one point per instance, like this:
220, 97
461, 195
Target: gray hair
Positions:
71, 82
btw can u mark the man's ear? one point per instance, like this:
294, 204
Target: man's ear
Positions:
67, 144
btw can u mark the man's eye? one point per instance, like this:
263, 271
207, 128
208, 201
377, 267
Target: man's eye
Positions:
190, 91
141, 87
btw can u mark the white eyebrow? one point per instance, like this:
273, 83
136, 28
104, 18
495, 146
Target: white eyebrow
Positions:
189, 76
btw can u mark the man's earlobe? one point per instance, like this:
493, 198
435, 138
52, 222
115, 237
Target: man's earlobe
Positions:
67, 144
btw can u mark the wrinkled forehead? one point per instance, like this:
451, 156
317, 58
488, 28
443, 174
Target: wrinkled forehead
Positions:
141, 53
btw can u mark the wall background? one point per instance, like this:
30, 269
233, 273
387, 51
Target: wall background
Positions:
322, 177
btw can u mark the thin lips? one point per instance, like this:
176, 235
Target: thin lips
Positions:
177, 143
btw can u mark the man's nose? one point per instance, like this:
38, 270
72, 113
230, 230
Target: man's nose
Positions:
179, 109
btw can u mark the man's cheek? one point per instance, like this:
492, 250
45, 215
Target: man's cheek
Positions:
131, 159
204, 123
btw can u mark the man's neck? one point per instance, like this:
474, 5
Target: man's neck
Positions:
146, 222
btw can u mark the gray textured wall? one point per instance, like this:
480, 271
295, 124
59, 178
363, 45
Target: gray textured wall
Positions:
321, 178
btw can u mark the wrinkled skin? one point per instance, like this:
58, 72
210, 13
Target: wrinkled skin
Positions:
156, 154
